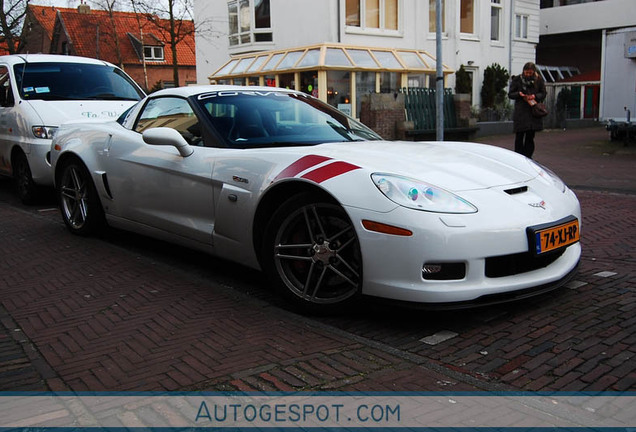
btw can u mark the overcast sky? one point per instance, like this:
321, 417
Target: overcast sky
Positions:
59, 3
123, 5
75, 3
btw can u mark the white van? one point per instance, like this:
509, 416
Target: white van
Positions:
38, 92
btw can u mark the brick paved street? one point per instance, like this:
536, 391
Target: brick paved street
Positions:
129, 313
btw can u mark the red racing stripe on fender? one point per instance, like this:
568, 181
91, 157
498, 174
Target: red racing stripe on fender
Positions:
326, 172
301, 165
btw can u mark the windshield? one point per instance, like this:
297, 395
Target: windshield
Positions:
252, 118
74, 81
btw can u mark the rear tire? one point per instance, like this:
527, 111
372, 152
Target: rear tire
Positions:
312, 253
25, 187
81, 209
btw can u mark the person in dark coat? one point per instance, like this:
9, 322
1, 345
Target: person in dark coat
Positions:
524, 88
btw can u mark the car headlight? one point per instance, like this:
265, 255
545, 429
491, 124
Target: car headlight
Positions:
548, 176
45, 132
418, 195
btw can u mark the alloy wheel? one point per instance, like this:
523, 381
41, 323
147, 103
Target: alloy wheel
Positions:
74, 192
317, 254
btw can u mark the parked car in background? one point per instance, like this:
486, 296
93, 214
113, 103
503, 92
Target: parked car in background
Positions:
278, 180
38, 92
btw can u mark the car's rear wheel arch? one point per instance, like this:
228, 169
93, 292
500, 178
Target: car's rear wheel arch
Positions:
274, 198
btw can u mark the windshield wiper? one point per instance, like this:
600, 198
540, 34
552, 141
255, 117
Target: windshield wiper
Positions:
344, 132
109, 96
340, 130
47, 96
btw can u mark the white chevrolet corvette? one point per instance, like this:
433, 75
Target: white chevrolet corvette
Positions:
279, 181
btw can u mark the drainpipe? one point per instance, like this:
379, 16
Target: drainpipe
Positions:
439, 74
339, 3
601, 95
97, 41
510, 33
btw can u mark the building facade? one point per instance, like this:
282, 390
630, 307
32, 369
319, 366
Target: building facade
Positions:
599, 39
475, 34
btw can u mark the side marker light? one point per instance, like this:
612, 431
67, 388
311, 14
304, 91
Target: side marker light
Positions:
386, 229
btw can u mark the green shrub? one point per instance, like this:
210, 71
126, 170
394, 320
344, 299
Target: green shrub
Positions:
493, 88
463, 83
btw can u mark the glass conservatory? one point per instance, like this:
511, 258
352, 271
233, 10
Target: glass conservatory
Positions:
337, 74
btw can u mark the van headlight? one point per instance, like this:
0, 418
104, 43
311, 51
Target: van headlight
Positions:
44, 132
418, 195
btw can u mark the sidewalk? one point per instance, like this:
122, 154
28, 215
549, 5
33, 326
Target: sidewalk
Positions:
89, 315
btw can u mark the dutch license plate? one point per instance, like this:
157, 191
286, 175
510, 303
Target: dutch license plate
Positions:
549, 237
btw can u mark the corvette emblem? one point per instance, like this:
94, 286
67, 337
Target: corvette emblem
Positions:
540, 204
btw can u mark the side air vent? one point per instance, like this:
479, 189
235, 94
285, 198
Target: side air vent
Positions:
106, 186
516, 191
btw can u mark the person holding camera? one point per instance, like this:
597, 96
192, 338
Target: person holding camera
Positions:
526, 90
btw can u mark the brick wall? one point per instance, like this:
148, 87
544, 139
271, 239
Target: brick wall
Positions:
187, 74
462, 109
384, 113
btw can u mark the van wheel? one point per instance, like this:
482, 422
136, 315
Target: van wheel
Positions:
25, 187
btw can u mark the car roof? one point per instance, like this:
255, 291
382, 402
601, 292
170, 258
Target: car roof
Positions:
13, 59
207, 88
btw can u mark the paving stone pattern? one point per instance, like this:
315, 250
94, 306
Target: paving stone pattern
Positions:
103, 319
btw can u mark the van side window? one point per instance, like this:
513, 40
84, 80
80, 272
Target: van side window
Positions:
6, 94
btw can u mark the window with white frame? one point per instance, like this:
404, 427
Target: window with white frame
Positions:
467, 17
249, 21
153, 53
432, 16
373, 14
521, 26
495, 20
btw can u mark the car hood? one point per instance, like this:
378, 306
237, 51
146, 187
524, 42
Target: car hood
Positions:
454, 166
54, 113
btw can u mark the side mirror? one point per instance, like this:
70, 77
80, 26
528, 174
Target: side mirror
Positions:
167, 136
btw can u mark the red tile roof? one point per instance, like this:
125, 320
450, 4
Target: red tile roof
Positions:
45, 15
91, 34
4, 50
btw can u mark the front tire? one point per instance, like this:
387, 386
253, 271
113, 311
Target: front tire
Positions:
25, 186
81, 210
311, 251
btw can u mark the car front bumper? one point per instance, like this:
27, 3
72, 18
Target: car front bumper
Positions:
393, 265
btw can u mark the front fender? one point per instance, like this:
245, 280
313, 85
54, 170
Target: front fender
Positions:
87, 147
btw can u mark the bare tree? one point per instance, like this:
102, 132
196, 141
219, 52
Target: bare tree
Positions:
141, 40
110, 6
12, 16
173, 18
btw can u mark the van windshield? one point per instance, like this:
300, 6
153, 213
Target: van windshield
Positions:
74, 81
